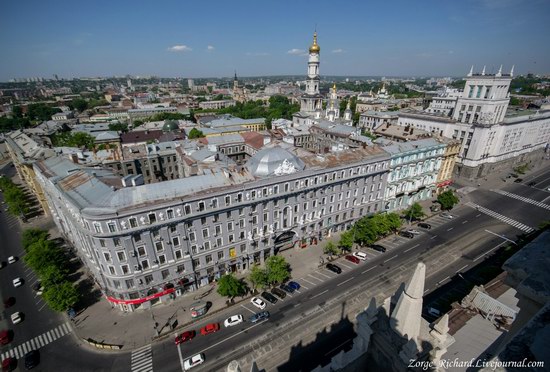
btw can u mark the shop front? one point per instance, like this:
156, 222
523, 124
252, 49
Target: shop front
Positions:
153, 296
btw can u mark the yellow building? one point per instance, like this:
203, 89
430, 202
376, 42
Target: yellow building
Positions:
445, 175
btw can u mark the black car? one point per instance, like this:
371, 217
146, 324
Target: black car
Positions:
334, 268
425, 225
259, 316
532, 183
378, 248
279, 293
269, 297
406, 234
32, 358
518, 180
287, 288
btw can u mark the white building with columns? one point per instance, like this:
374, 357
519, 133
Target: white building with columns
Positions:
491, 137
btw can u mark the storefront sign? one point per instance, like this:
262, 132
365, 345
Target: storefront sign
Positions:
141, 300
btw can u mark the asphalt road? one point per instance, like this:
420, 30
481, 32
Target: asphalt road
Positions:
471, 235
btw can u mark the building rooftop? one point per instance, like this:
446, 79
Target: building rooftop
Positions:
404, 147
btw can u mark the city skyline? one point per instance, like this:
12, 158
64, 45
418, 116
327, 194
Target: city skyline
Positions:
395, 39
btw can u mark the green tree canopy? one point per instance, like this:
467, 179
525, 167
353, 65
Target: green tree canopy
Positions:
61, 297
79, 104
52, 275
229, 286
31, 236
195, 133
278, 270
258, 277
119, 127
73, 139
371, 228
41, 111
415, 212
331, 249
447, 199
346, 240
42, 254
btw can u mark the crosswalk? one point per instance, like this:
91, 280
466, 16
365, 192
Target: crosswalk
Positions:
522, 198
499, 216
38, 342
142, 359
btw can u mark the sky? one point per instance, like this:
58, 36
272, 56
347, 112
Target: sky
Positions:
214, 38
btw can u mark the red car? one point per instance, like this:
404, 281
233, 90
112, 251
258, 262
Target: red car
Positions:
4, 337
8, 364
185, 336
210, 328
353, 259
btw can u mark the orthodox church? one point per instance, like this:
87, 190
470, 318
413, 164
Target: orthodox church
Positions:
239, 93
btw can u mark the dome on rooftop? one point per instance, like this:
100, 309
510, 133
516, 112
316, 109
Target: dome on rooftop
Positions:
274, 161
170, 126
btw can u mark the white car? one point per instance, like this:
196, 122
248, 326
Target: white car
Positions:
12, 259
17, 282
16, 318
234, 320
360, 255
447, 215
258, 303
413, 231
194, 361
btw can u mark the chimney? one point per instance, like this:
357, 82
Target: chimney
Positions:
74, 158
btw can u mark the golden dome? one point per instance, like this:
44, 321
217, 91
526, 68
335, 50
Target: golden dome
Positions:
314, 48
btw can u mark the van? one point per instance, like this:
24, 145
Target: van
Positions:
198, 309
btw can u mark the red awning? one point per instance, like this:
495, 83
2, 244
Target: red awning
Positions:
141, 300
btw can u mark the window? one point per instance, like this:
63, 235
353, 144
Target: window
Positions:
187, 209
133, 222
208, 258
243, 248
121, 256
141, 251
156, 234
111, 226
227, 200
170, 213
220, 255
152, 217
162, 259
144, 264
130, 283
116, 242
159, 246
178, 254
125, 269
194, 249
203, 220
206, 245
230, 226
176, 241
165, 274
173, 229
97, 227
241, 223
180, 269
214, 203
205, 233
192, 236
201, 206
148, 279
116, 283
219, 242
112, 270
102, 242
231, 238
196, 262
107, 256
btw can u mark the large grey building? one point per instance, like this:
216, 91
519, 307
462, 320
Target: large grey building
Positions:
145, 242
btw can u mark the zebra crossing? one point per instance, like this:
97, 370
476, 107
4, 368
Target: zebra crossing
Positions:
38, 342
499, 216
522, 198
142, 359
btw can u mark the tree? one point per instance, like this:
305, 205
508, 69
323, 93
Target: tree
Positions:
81, 139
79, 104
415, 212
447, 199
231, 287
61, 297
42, 254
346, 240
278, 270
17, 112
119, 127
195, 133
31, 236
53, 275
258, 277
330, 249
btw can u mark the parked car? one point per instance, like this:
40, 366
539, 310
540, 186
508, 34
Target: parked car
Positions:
17, 282
279, 293
334, 268
406, 234
210, 328
9, 302
532, 183
185, 336
194, 361
12, 259
413, 231
233, 321
435, 208
286, 288
16, 317
258, 303
378, 247
8, 364
4, 337
360, 255
352, 258
38, 287
2, 264
518, 180
269, 297
259, 316
32, 358
447, 215
294, 285
425, 225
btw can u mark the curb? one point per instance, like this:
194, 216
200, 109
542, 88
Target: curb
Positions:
100, 345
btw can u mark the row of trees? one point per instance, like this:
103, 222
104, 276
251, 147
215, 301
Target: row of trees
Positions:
14, 197
50, 263
73, 139
275, 271
279, 107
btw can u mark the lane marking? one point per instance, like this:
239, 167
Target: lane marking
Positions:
412, 247
311, 276
449, 229
307, 281
345, 281
180, 356
462, 268
465, 221
389, 259
433, 237
501, 236
492, 249
320, 273
344, 264
442, 280
318, 294
478, 215
374, 267
244, 307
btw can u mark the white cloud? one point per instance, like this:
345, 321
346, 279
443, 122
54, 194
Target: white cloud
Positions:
257, 54
338, 51
179, 48
210, 48
296, 51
